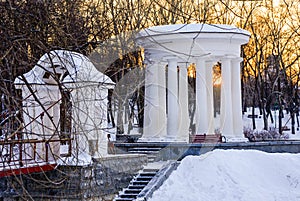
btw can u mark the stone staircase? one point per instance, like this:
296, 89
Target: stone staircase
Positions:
136, 185
147, 181
151, 152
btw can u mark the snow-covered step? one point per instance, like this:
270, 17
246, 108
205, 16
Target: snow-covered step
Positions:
124, 199
139, 183
144, 178
143, 152
132, 191
136, 185
151, 152
150, 155
128, 195
150, 170
151, 158
148, 173
165, 170
145, 149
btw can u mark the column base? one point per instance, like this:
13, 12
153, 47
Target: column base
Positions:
174, 139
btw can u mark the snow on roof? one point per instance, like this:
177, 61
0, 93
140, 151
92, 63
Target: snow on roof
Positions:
78, 66
188, 41
192, 28
223, 175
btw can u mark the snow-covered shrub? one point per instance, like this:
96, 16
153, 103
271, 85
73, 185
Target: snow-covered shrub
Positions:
273, 131
258, 135
248, 132
285, 136
276, 135
264, 135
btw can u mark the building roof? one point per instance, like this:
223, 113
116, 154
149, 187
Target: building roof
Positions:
192, 28
190, 41
67, 67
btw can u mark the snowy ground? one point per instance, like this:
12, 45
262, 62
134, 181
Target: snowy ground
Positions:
234, 175
247, 123
286, 121
237, 175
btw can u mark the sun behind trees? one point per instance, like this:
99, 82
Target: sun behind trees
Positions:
29, 29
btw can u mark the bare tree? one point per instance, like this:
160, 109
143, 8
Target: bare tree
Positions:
104, 30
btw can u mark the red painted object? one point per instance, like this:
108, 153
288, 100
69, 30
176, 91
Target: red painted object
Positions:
207, 138
27, 170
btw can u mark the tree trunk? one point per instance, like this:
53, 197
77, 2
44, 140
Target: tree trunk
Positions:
253, 114
268, 109
110, 116
265, 120
280, 116
120, 125
293, 121
140, 106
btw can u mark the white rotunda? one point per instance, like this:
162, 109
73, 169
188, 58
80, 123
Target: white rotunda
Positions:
166, 116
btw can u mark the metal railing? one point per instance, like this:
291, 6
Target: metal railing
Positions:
20, 152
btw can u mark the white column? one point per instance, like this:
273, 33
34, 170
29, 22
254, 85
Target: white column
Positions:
172, 119
226, 99
183, 130
210, 97
201, 97
151, 112
236, 98
162, 100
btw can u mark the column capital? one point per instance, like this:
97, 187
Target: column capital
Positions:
154, 61
148, 61
154, 56
183, 64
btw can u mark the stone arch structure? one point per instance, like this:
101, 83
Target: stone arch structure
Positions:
177, 46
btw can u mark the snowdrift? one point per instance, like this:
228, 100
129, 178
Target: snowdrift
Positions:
232, 175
